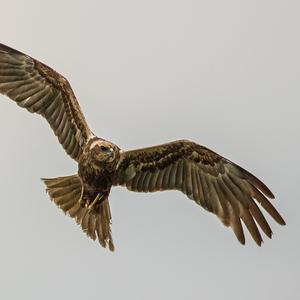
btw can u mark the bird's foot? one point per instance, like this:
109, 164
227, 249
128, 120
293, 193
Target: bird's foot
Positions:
97, 199
85, 202
82, 200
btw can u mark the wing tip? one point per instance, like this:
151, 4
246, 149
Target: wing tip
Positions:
281, 221
255, 181
259, 242
242, 240
260, 185
269, 234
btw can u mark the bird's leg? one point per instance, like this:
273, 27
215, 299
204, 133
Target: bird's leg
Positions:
82, 202
95, 201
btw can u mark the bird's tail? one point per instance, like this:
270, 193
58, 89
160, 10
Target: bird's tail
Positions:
65, 192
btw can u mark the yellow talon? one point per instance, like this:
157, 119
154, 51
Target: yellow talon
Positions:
98, 198
81, 201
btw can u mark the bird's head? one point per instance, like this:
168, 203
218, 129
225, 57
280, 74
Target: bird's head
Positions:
103, 152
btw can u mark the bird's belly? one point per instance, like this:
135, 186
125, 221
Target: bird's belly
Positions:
95, 181
101, 183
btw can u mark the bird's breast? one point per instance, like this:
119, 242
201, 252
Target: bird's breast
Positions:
99, 179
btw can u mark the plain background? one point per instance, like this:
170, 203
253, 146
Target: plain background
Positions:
222, 73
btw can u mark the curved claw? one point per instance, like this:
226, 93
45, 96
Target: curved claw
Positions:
81, 201
95, 201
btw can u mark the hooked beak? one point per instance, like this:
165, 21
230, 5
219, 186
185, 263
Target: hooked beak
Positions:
111, 152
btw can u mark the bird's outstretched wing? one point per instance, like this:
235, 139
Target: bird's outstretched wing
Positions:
40, 89
215, 183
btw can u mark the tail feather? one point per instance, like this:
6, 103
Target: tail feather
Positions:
65, 193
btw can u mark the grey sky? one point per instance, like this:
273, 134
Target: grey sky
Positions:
222, 73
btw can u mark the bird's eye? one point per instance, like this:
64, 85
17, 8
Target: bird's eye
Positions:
104, 148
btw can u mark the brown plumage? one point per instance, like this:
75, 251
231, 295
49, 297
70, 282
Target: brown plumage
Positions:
212, 181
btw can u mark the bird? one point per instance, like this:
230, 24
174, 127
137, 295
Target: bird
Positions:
215, 183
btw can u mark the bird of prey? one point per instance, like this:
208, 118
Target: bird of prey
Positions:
212, 181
